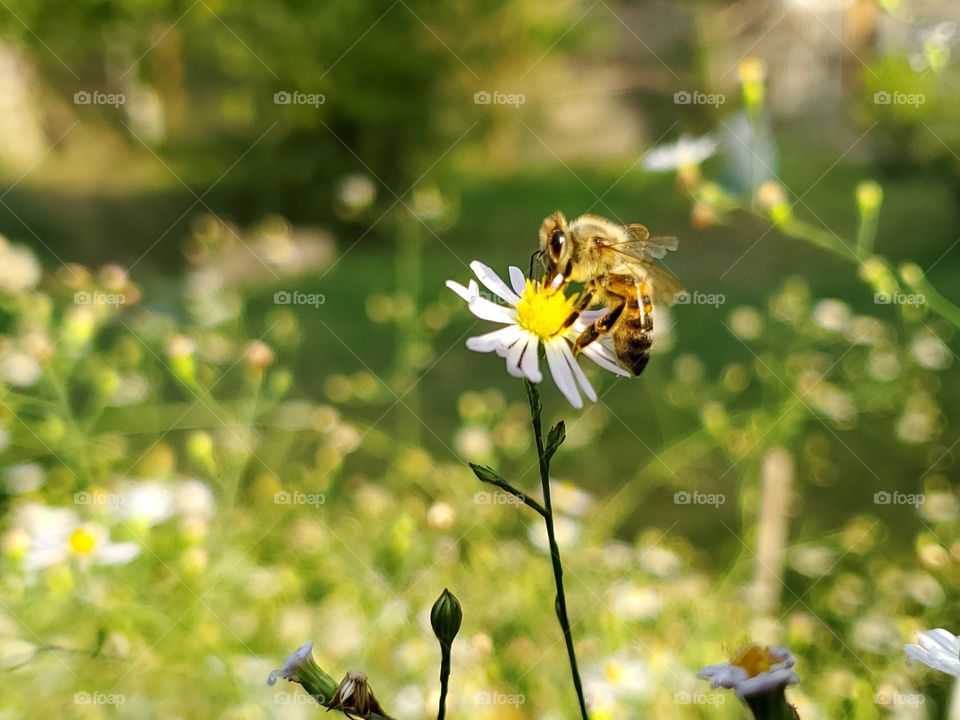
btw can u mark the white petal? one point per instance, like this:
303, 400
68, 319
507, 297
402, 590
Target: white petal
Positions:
560, 371
117, 553
530, 364
602, 356
43, 557
941, 639
518, 279
493, 283
487, 310
467, 293
497, 341
578, 372
514, 355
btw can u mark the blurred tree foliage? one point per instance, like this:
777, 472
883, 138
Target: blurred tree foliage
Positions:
398, 80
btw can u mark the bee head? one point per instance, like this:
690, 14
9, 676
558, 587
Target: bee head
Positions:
555, 246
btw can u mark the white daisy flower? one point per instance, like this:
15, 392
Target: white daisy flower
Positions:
937, 648
684, 153
56, 535
755, 670
534, 313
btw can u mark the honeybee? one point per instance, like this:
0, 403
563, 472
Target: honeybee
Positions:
615, 265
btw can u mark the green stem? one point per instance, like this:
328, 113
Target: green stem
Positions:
444, 679
772, 706
561, 603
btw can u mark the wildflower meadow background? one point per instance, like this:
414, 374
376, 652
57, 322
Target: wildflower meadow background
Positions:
238, 413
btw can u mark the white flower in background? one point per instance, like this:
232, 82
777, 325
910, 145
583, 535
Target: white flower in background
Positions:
56, 535
23, 478
567, 530
613, 683
684, 153
660, 561
534, 313
937, 648
474, 442
194, 499
148, 503
832, 315
634, 603
19, 269
746, 322
570, 499
356, 192
930, 351
18, 368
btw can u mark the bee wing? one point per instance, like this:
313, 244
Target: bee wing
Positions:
642, 244
665, 284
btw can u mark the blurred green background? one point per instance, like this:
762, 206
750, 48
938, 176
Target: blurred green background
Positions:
225, 152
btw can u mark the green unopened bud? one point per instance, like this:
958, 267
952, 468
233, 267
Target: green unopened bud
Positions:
753, 74
911, 273
200, 448
869, 197
773, 198
180, 350
874, 271
446, 617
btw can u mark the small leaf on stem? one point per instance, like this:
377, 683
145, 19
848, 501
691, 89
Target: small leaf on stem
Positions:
486, 474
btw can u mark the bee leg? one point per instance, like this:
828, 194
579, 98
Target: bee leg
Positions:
601, 326
582, 304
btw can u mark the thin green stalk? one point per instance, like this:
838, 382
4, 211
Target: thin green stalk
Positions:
444, 679
561, 603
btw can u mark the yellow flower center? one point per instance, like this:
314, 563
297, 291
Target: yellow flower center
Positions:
82, 542
542, 310
754, 659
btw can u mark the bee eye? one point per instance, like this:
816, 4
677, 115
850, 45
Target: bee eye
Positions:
557, 240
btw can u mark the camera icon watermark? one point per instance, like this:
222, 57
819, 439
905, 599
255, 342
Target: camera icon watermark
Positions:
284, 97
95, 97
682, 697
99, 498
287, 698
686, 97
899, 298
499, 98
900, 699
485, 497
98, 698
84, 297
682, 497
883, 497
283, 297
284, 497
499, 698
696, 297
883, 97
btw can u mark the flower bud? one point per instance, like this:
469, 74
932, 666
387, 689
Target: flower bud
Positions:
773, 198
180, 350
446, 617
911, 273
869, 197
300, 667
753, 74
